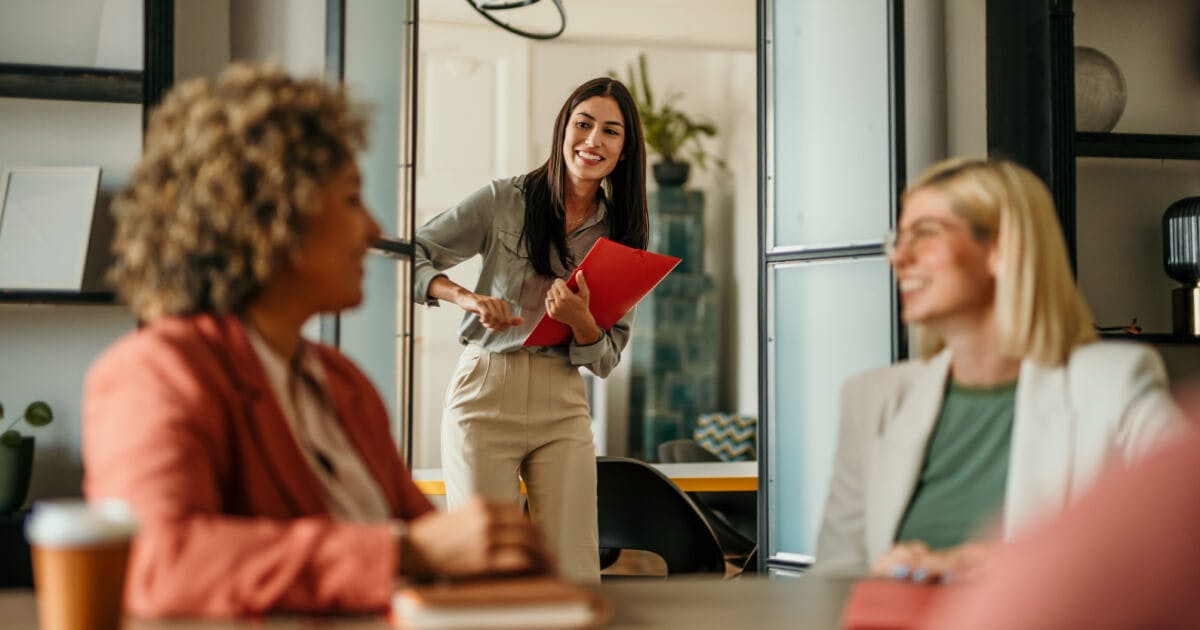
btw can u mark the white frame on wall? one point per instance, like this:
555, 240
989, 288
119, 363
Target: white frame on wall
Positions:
46, 210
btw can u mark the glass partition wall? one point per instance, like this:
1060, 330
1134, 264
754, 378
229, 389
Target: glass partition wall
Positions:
825, 170
485, 104
831, 165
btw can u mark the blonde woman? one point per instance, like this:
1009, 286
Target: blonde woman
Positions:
1011, 408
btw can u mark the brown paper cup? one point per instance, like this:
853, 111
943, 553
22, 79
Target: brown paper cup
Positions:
80, 588
79, 555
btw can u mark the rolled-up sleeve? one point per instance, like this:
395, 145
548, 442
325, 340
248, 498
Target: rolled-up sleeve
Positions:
603, 356
450, 238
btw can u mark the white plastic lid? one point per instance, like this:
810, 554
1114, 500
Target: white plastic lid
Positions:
74, 522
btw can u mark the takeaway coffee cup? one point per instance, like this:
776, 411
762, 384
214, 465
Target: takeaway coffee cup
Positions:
79, 554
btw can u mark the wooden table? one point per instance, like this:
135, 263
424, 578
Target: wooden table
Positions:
691, 477
750, 602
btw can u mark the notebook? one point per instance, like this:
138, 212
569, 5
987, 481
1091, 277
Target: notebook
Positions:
882, 604
520, 602
618, 277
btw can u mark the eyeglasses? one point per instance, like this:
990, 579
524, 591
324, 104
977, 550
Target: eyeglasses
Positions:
916, 237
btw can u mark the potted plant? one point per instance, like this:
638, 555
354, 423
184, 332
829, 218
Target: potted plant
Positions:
16, 456
668, 130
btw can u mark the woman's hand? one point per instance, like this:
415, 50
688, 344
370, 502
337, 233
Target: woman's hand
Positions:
493, 313
917, 562
480, 538
571, 308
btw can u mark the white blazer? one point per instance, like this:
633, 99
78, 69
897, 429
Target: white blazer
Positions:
1109, 402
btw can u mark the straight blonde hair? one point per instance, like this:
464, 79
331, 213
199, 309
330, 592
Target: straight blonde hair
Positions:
1039, 311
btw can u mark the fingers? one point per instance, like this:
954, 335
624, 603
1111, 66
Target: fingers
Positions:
508, 541
900, 561
584, 292
513, 543
495, 314
478, 539
914, 561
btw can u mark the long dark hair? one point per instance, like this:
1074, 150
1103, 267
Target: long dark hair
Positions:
546, 185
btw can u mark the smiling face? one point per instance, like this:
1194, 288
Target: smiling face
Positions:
594, 139
945, 273
329, 263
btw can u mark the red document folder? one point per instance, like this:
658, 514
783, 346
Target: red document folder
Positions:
618, 278
878, 604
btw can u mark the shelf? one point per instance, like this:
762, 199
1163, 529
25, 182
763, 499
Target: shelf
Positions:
1155, 338
70, 84
1137, 145
57, 297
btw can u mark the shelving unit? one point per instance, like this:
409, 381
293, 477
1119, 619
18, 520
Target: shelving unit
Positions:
66, 83
1137, 145
1166, 339
1031, 115
69, 83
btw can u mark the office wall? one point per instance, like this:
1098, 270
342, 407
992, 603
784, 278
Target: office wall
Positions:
45, 349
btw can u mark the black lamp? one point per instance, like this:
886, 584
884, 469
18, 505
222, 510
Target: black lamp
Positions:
1181, 259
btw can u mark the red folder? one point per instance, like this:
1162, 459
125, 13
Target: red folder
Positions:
618, 278
880, 604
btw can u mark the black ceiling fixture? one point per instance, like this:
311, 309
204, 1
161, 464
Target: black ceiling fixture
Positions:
487, 7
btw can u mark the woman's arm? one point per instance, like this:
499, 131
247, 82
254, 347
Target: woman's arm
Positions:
214, 539
494, 313
592, 347
841, 543
1149, 415
153, 437
450, 238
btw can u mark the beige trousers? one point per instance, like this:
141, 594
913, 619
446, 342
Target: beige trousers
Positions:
526, 413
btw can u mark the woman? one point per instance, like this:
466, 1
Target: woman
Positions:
513, 409
260, 465
1012, 407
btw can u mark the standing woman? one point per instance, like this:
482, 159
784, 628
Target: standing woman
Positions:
512, 409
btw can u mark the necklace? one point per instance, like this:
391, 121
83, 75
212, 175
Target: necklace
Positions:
571, 226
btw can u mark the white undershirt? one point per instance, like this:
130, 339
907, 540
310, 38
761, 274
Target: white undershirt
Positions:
351, 492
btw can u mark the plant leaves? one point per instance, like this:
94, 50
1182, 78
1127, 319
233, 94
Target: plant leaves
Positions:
10, 438
1, 411
38, 414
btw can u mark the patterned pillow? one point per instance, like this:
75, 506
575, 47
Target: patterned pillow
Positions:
731, 437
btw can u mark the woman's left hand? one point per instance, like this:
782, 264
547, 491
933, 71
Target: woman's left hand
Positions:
916, 562
571, 308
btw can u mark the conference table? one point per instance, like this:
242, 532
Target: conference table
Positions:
690, 477
748, 602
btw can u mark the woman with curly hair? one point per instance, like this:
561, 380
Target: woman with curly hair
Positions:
513, 409
260, 465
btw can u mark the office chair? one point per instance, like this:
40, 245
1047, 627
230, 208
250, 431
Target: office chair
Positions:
640, 508
733, 516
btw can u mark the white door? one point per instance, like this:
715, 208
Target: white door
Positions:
472, 127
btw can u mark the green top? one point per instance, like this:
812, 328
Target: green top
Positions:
962, 480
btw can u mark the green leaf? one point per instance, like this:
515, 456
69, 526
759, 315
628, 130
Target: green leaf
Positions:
1, 411
10, 438
38, 414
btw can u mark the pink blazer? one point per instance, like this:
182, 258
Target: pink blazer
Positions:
180, 421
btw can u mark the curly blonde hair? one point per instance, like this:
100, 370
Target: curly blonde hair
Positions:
229, 176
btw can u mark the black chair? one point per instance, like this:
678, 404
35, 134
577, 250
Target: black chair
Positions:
732, 515
684, 450
640, 508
